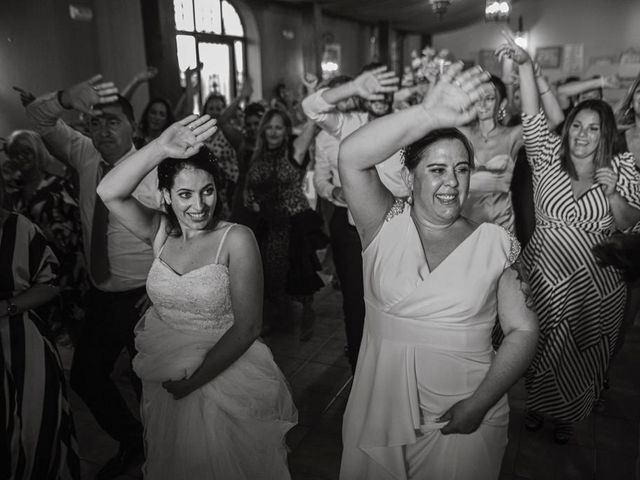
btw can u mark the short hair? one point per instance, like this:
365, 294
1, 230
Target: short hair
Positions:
124, 105
412, 154
608, 134
212, 97
254, 109
169, 168
144, 119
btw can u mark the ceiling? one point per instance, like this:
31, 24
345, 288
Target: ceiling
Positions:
409, 15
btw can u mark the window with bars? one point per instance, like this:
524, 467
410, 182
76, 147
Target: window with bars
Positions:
211, 33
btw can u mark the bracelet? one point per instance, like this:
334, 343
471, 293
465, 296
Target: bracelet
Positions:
545, 92
59, 97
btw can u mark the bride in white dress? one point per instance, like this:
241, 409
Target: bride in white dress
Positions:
215, 405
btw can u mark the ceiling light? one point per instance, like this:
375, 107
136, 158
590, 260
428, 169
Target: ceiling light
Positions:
440, 7
497, 10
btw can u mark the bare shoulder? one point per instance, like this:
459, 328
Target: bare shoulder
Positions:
239, 239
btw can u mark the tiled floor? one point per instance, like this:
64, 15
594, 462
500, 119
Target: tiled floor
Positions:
605, 446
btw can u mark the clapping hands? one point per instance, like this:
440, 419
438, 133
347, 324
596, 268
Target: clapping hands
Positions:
184, 138
372, 85
85, 95
451, 102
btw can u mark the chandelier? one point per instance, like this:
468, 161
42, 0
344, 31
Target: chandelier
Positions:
440, 7
497, 10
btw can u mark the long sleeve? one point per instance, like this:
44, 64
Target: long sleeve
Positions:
65, 143
325, 171
323, 114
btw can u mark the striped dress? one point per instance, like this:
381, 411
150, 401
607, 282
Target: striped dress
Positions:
579, 304
37, 438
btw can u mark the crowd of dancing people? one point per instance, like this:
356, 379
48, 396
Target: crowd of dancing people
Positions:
480, 229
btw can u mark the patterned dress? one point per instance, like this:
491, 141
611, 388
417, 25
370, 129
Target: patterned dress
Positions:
274, 182
580, 305
37, 438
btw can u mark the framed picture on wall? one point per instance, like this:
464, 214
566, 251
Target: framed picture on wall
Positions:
549, 57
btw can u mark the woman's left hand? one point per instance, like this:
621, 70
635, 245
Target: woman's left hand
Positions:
184, 138
463, 417
607, 179
179, 388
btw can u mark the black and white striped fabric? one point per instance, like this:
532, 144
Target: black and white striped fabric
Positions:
579, 304
37, 438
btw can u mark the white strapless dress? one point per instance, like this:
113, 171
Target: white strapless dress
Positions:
234, 426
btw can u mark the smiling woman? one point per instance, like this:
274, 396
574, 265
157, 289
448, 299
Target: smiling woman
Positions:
216, 404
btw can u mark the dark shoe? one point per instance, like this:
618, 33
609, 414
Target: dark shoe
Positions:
562, 433
123, 461
533, 421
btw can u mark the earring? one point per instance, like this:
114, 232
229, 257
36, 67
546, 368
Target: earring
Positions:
501, 114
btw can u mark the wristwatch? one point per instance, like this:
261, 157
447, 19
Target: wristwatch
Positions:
12, 308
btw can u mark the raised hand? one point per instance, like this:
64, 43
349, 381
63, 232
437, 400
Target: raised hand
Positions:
147, 74
310, 81
372, 85
611, 81
25, 97
85, 95
607, 179
247, 88
512, 50
451, 102
185, 137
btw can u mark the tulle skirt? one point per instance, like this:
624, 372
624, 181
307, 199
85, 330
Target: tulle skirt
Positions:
231, 428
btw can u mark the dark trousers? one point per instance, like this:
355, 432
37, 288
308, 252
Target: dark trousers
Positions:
347, 257
108, 328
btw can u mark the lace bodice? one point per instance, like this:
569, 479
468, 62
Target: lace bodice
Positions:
198, 300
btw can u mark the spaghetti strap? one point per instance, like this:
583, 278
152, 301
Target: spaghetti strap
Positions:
224, 236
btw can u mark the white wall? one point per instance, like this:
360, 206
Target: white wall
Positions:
605, 27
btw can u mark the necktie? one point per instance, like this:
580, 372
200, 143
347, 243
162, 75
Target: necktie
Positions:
99, 264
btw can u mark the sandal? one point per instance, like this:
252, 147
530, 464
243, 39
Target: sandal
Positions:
533, 421
562, 433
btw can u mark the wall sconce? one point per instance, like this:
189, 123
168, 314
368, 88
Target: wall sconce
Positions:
522, 37
331, 59
440, 7
497, 10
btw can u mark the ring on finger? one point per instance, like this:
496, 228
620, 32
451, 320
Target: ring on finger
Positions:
457, 83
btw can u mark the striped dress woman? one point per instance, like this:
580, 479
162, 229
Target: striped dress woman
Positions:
37, 439
579, 304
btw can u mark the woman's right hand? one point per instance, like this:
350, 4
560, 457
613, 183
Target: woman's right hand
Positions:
451, 102
512, 50
185, 137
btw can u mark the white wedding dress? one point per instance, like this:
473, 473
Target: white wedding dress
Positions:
234, 426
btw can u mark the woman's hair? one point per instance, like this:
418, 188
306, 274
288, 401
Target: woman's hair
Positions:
254, 110
31, 140
608, 136
261, 143
2, 205
211, 98
500, 87
626, 114
414, 152
144, 120
169, 168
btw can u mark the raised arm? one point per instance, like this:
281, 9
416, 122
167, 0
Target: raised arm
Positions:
303, 141
180, 140
44, 114
232, 134
528, 86
552, 109
137, 80
576, 88
448, 104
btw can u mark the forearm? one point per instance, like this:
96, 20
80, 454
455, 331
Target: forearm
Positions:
120, 183
381, 138
552, 109
34, 297
339, 93
131, 88
528, 89
576, 88
231, 346
511, 361
303, 141
624, 215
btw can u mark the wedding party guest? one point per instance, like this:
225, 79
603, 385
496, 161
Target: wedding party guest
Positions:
117, 261
329, 109
292, 230
583, 191
156, 117
434, 284
215, 405
37, 435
